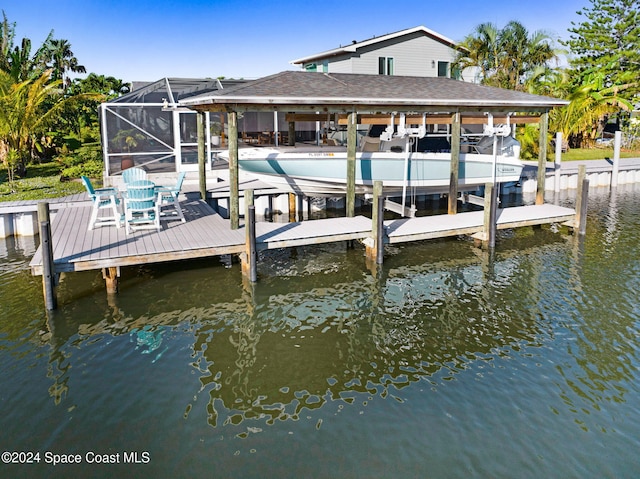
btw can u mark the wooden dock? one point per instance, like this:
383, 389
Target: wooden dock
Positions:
206, 234
472, 222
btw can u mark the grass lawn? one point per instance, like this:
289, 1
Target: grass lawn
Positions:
42, 182
594, 154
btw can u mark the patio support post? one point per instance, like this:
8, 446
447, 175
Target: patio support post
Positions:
542, 159
292, 133
351, 164
202, 160
234, 187
455, 163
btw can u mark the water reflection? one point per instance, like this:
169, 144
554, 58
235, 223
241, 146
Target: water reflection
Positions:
311, 335
446, 345
604, 321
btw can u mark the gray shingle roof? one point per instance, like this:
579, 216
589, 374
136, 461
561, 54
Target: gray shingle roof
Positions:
343, 91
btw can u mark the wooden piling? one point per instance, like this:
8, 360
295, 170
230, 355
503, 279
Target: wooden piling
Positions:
542, 159
292, 133
351, 164
234, 186
110, 276
374, 250
250, 256
48, 267
581, 201
490, 215
379, 226
292, 207
558, 162
455, 164
617, 142
300, 207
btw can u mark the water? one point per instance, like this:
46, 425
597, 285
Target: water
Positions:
447, 362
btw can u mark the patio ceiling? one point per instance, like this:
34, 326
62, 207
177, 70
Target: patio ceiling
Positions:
293, 91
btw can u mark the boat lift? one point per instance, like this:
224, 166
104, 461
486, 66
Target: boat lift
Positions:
502, 130
489, 130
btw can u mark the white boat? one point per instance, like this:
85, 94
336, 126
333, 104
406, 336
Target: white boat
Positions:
322, 170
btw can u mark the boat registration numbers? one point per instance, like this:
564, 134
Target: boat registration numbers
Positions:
317, 155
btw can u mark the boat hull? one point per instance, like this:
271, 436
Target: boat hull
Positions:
327, 170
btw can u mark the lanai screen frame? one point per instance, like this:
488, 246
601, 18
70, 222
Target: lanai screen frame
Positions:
129, 114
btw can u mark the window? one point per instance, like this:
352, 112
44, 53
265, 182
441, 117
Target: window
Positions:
385, 65
443, 69
317, 67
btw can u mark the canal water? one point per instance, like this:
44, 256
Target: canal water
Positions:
447, 362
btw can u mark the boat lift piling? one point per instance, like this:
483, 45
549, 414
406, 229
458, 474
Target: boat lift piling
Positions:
249, 258
557, 162
455, 163
617, 141
542, 158
374, 246
580, 222
48, 268
352, 125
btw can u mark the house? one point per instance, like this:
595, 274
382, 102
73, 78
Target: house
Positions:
416, 51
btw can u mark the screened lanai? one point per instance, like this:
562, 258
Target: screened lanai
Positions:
147, 128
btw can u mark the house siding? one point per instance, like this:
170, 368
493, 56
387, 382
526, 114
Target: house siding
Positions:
412, 56
341, 64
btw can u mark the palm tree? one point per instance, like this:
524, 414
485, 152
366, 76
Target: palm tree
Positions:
62, 59
480, 49
505, 57
590, 102
7, 32
27, 109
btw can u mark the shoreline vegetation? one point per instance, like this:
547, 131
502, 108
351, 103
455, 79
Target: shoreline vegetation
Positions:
46, 180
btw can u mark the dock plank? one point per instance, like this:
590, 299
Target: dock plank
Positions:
472, 222
282, 235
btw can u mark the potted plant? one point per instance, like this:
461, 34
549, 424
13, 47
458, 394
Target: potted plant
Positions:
128, 140
216, 133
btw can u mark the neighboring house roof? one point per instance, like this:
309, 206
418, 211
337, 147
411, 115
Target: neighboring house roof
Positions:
353, 47
346, 91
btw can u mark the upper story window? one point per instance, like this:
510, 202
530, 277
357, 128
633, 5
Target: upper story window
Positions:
317, 67
385, 65
443, 69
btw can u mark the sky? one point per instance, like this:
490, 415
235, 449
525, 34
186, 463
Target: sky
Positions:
142, 40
